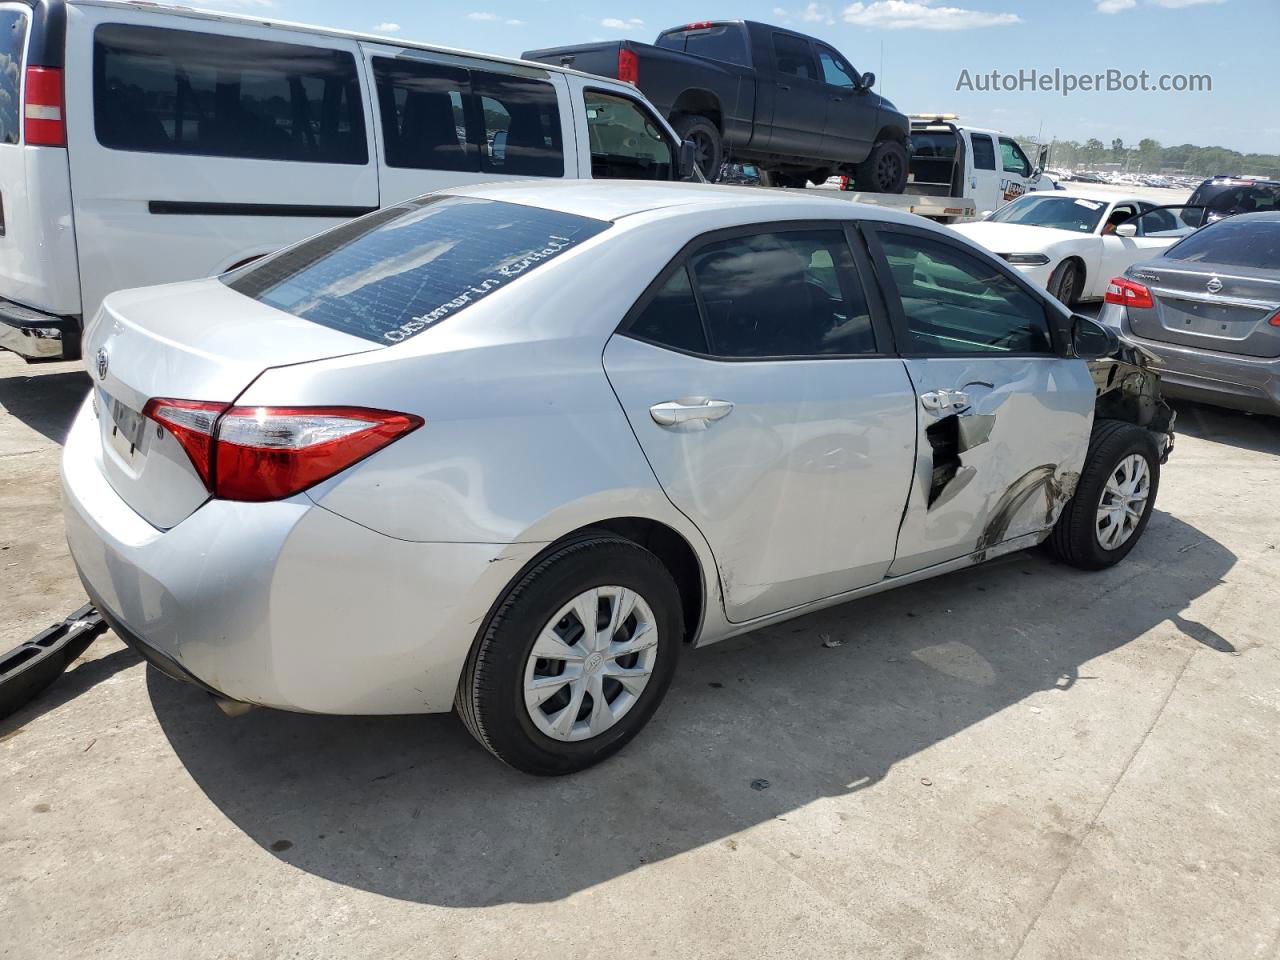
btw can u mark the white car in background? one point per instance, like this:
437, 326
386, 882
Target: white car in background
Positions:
1072, 243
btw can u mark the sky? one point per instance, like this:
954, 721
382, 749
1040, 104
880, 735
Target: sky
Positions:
920, 50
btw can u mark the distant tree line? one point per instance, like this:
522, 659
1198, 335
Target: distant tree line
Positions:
1150, 156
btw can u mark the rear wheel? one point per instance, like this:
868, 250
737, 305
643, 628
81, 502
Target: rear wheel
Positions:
1113, 500
1064, 283
576, 659
884, 170
708, 147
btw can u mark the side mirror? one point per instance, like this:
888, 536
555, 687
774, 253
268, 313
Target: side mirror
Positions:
1127, 230
1090, 340
868, 80
687, 162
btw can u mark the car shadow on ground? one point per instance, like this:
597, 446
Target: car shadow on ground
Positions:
45, 401
412, 808
1234, 428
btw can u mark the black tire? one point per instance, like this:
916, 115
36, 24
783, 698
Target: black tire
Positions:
884, 170
706, 138
1075, 538
1064, 282
490, 697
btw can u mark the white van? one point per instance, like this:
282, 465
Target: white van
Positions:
143, 144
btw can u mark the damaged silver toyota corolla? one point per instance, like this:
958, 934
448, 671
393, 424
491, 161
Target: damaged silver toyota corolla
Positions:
510, 448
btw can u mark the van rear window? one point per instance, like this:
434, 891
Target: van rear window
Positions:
397, 272
178, 91
13, 41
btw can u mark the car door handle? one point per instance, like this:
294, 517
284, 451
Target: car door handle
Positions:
691, 409
783, 86
956, 400
837, 99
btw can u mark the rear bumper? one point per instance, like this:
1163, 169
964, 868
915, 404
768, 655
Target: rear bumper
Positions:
37, 335
1242, 383
282, 604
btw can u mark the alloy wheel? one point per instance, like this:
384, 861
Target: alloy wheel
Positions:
590, 663
1123, 502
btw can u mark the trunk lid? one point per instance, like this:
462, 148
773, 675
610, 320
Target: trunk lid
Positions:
1211, 306
37, 240
189, 341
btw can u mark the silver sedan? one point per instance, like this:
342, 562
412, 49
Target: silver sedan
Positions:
511, 448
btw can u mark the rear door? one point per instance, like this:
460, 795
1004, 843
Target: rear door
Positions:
852, 120
984, 180
775, 418
800, 98
1004, 420
196, 144
1217, 290
445, 120
37, 242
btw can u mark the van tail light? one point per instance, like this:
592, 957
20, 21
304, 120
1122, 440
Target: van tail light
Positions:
269, 453
628, 66
45, 124
1126, 293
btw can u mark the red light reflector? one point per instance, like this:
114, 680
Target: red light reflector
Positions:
192, 423
1126, 293
628, 66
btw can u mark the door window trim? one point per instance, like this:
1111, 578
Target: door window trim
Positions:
659, 124
1058, 322
881, 327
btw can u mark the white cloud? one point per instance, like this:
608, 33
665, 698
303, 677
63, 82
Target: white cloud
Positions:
1115, 6
514, 23
816, 14
922, 15
1176, 4
614, 23
387, 28
480, 15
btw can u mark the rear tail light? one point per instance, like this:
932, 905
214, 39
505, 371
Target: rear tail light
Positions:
700, 25
628, 66
1126, 293
269, 453
1275, 319
45, 125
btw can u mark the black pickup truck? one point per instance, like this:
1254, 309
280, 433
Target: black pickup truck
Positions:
749, 92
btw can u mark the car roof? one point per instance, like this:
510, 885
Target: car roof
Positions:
195, 13
614, 199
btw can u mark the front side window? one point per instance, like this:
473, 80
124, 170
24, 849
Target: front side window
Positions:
392, 274
1015, 161
13, 41
157, 90
984, 153
954, 302
786, 294
794, 57
627, 143
440, 117
835, 72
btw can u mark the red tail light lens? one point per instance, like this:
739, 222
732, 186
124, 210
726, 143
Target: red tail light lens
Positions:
1126, 293
45, 124
628, 67
269, 453
1275, 319
700, 25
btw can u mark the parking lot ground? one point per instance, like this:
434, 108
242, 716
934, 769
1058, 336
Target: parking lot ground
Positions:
1021, 760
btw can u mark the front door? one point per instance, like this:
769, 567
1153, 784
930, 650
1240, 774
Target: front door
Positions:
1139, 236
852, 117
1004, 419
800, 98
763, 395
984, 178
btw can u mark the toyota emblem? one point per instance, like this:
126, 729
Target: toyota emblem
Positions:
1214, 285
102, 364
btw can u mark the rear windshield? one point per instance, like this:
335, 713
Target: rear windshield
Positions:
13, 38
1229, 199
389, 276
1234, 243
726, 43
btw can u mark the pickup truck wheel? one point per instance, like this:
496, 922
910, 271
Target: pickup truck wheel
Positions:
1113, 501
709, 149
884, 170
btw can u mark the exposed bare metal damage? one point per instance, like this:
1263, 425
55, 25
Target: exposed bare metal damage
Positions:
1128, 389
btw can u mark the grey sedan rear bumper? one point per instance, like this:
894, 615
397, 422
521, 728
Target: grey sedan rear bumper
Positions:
37, 335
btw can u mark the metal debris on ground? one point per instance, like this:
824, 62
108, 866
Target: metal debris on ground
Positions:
760, 784
828, 642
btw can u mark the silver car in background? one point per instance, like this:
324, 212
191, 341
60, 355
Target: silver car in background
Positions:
1209, 311
511, 447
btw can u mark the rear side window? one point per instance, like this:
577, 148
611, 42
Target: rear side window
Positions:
955, 302
176, 91
794, 57
672, 319
392, 274
1234, 243
984, 153
439, 117
627, 143
13, 41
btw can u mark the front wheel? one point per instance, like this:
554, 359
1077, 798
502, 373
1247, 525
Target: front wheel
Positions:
884, 170
576, 658
1064, 283
1113, 501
